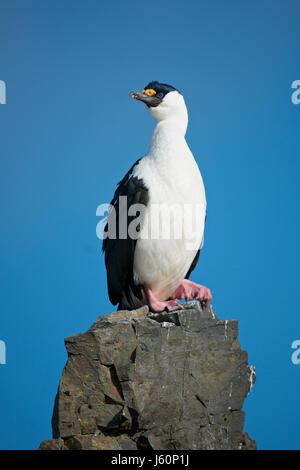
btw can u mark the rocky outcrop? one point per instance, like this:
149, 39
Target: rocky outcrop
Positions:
138, 380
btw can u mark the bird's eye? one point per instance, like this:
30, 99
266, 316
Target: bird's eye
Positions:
160, 95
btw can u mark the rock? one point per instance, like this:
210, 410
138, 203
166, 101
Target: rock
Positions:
138, 380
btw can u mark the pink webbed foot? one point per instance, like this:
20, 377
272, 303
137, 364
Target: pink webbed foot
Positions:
189, 290
159, 306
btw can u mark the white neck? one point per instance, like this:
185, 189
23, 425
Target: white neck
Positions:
168, 138
177, 124
171, 113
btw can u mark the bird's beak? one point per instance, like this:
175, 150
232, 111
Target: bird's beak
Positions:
148, 100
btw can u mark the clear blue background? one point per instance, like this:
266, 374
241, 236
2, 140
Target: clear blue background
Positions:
69, 132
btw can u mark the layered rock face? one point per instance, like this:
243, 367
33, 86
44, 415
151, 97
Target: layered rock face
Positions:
138, 380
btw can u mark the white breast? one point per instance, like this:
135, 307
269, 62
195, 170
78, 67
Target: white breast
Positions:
168, 241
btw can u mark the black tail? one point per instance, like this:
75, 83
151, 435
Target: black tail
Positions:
132, 300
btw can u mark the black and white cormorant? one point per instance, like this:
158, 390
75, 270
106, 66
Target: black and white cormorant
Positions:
150, 268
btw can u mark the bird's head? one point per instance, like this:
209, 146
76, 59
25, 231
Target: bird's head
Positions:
163, 101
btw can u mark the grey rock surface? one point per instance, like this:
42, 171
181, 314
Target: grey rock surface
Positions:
138, 380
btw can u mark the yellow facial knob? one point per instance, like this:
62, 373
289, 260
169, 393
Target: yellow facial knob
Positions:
149, 92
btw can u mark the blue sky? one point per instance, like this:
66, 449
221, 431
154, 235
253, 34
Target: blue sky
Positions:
69, 132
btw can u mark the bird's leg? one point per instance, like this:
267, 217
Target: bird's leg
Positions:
159, 306
189, 290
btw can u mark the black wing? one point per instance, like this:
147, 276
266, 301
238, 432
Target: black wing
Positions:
193, 265
196, 259
119, 253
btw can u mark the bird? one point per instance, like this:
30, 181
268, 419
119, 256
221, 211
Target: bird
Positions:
153, 269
